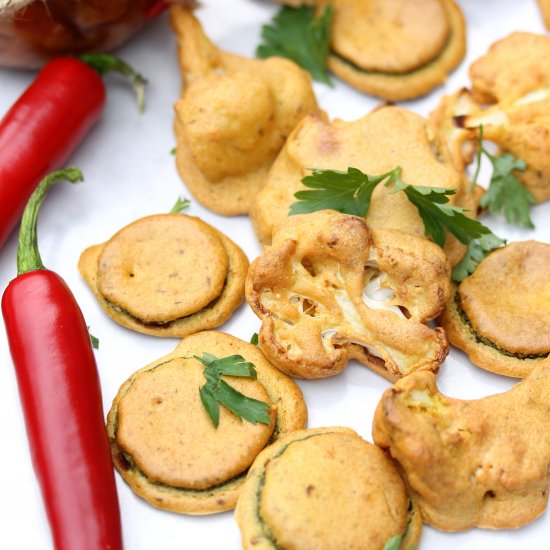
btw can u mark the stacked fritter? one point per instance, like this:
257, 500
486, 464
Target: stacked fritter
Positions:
166, 275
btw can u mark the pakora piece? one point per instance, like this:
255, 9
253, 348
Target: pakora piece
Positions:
164, 444
381, 47
510, 99
194, 284
500, 315
514, 79
482, 463
330, 289
233, 117
309, 489
375, 144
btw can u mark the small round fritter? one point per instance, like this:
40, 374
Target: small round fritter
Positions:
396, 29
162, 426
309, 490
165, 445
233, 118
173, 293
500, 315
330, 289
161, 268
381, 47
375, 144
481, 463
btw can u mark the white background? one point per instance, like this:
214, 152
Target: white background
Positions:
129, 174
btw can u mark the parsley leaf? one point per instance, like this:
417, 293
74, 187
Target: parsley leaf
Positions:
217, 391
506, 194
210, 403
348, 192
477, 250
296, 34
94, 340
179, 205
254, 339
438, 216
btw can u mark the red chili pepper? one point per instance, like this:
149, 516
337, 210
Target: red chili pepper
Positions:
46, 124
60, 395
156, 8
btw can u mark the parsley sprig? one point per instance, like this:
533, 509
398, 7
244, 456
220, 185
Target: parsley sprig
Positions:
438, 216
295, 33
350, 192
180, 205
217, 391
477, 250
506, 194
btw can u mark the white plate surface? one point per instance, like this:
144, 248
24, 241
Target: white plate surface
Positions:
129, 174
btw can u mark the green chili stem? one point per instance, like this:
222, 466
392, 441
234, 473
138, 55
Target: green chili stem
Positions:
105, 62
28, 256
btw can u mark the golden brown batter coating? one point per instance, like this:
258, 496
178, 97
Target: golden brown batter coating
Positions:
449, 118
399, 60
309, 491
233, 118
159, 288
482, 463
330, 289
514, 79
396, 30
513, 67
375, 144
187, 274
169, 441
500, 315
544, 6
163, 442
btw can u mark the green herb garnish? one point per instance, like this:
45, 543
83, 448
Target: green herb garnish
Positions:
180, 205
506, 194
217, 391
254, 339
438, 216
173, 151
394, 543
477, 250
94, 340
295, 33
348, 192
